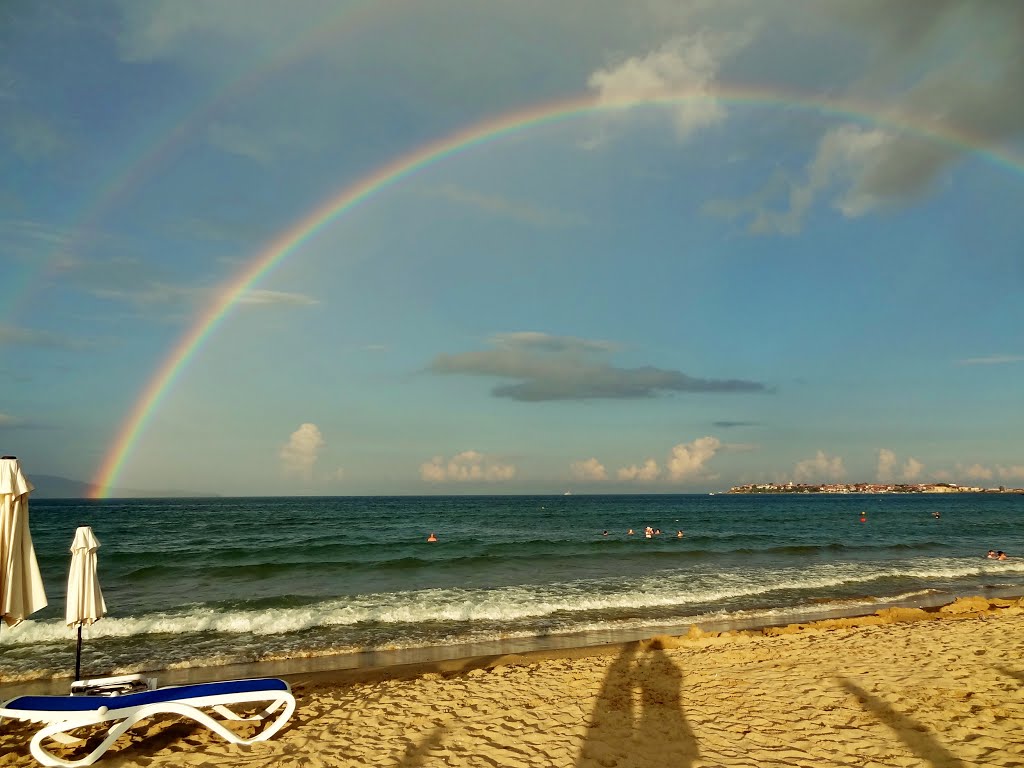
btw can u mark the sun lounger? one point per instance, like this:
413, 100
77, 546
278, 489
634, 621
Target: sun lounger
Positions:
64, 714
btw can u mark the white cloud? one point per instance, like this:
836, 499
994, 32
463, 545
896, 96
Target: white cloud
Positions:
24, 238
264, 297
648, 471
688, 459
821, 468
149, 294
886, 465
517, 210
977, 472
301, 451
239, 141
685, 461
262, 146
842, 154
465, 467
1015, 472
992, 360
30, 135
28, 337
551, 343
681, 71
912, 469
156, 30
588, 470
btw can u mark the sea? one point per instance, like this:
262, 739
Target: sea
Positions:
344, 582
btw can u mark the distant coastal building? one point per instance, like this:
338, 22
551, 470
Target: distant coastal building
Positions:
791, 487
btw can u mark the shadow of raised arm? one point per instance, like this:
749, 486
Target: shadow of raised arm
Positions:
914, 735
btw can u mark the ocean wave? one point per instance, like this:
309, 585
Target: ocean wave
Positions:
265, 565
681, 590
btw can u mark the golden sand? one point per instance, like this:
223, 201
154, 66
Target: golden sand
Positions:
902, 687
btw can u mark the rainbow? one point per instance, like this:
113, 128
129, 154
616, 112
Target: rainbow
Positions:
399, 169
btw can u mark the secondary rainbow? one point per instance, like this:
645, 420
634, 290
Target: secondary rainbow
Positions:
156, 148
404, 166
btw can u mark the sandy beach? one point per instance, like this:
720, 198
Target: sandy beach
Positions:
903, 687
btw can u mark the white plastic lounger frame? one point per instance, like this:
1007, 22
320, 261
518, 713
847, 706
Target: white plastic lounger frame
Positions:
64, 714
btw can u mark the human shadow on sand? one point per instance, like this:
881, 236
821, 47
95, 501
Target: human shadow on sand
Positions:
416, 754
914, 735
638, 717
1011, 672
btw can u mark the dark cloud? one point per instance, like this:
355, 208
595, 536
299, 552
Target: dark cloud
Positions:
565, 368
972, 55
730, 424
944, 77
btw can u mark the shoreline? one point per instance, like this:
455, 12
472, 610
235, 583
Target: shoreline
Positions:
405, 663
899, 687
960, 609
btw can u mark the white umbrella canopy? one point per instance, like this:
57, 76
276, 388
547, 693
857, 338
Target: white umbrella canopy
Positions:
85, 602
85, 598
21, 585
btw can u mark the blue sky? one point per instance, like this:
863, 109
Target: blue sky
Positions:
642, 297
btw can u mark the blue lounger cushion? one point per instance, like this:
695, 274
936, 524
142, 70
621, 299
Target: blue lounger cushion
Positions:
170, 693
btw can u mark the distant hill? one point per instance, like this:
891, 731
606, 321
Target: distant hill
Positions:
53, 487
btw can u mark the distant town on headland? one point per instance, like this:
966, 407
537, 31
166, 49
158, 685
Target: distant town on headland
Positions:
868, 488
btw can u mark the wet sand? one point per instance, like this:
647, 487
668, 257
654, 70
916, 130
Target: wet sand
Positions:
903, 687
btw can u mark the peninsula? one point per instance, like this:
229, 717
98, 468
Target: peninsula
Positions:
868, 488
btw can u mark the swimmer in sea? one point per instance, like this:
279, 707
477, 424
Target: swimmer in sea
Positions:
679, 534
991, 554
629, 532
431, 537
1000, 555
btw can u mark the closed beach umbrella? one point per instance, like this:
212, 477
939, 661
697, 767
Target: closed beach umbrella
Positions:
21, 586
85, 598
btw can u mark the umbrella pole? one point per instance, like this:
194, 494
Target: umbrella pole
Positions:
78, 656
